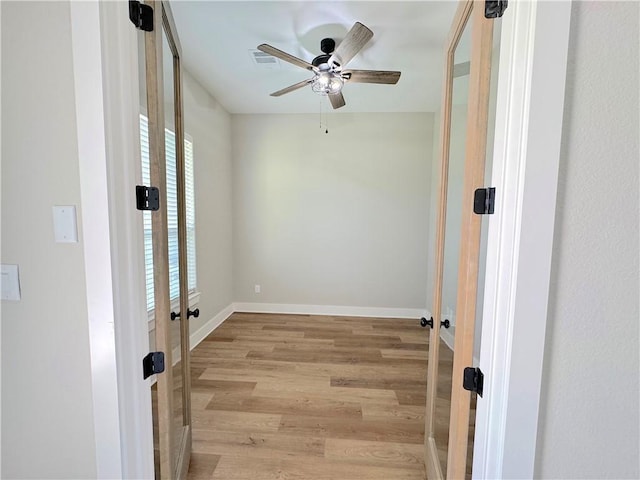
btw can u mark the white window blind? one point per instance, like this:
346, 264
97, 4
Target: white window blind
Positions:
172, 213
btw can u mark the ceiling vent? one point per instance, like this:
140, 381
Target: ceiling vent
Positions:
264, 60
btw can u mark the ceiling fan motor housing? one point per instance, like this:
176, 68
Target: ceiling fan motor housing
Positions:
327, 46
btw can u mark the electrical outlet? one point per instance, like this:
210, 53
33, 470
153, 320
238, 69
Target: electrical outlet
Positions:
256, 288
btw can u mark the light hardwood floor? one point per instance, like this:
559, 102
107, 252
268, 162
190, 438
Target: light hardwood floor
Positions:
309, 397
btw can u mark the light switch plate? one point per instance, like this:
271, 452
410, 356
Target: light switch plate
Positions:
65, 227
10, 282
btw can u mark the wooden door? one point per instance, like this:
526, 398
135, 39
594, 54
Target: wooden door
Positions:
172, 395
463, 139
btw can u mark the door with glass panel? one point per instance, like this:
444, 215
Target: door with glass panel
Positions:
163, 158
450, 409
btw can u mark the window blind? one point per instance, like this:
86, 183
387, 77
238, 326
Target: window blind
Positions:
172, 213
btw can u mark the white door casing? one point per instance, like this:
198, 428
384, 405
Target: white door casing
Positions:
530, 106
530, 103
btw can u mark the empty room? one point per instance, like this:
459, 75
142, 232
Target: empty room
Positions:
319, 240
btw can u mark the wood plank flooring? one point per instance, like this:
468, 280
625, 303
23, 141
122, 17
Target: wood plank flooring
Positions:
309, 397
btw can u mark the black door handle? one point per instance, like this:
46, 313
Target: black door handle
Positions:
424, 322
195, 313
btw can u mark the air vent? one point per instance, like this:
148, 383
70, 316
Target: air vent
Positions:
264, 60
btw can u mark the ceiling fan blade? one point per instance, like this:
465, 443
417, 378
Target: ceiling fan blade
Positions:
291, 88
337, 100
285, 56
371, 76
357, 38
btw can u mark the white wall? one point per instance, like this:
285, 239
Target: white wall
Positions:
209, 125
454, 212
453, 226
332, 219
434, 198
47, 415
590, 410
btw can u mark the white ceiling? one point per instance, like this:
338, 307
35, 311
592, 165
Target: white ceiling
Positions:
217, 37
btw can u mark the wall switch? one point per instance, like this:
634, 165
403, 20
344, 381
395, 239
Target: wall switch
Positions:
10, 282
65, 227
256, 288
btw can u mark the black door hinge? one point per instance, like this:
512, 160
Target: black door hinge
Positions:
494, 8
473, 380
141, 15
153, 363
147, 198
484, 201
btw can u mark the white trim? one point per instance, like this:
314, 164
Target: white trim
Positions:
87, 73
199, 335
285, 308
448, 335
121, 97
533, 58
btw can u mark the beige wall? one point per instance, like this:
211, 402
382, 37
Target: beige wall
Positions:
47, 413
332, 219
453, 228
209, 125
589, 416
434, 198
455, 174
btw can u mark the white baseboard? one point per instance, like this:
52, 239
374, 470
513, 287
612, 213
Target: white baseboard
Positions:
200, 334
447, 335
285, 308
196, 337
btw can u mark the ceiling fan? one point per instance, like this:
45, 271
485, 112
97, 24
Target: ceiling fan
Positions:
329, 76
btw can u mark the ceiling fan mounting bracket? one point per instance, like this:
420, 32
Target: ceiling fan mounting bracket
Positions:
327, 45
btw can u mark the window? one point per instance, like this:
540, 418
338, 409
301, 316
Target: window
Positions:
172, 213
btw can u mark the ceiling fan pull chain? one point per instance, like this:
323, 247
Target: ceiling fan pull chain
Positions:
321, 114
326, 116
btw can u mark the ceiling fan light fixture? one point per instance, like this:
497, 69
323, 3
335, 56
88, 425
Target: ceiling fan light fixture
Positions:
329, 76
327, 83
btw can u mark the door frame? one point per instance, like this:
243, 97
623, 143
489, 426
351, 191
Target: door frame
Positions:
530, 106
173, 462
529, 112
469, 18
103, 36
